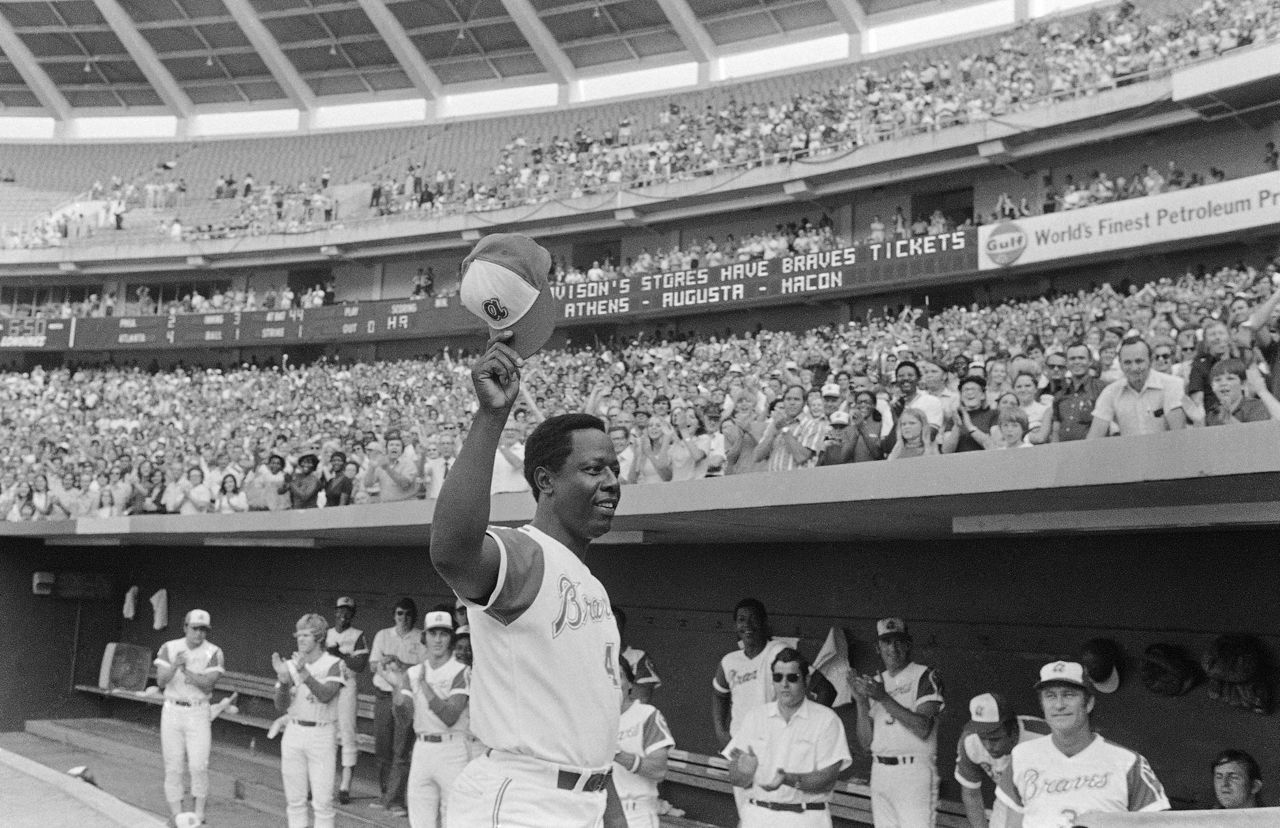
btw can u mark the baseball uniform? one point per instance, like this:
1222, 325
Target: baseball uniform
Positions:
1051, 789
812, 739
641, 730
306, 751
349, 642
440, 751
185, 732
974, 761
545, 691
642, 667
749, 685
904, 775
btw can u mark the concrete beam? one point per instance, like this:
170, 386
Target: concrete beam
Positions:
692, 33
553, 58
852, 17
140, 50
282, 69
411, 60
40, 84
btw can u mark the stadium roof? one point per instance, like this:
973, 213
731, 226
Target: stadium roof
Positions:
60, 56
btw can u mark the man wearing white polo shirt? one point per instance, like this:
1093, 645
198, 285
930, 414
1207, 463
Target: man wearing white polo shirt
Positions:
788, 753
1052, 782
186, 669
897, 715
1143, 401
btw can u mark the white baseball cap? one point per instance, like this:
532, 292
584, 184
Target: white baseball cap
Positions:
891, 626
439, 620
504, 283
988, 713
1064, 672
839, 418
831, 390
198, 618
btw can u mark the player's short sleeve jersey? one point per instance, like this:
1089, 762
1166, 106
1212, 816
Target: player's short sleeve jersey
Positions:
642, 667
545, 682
449, 679
747, 681
349, 642
641, 730
326, 669
207, 658
1052, 789
973, 760
913, 686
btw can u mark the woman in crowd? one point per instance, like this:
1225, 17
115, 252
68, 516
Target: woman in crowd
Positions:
973, 420
1025, 388
230, 499
196, 497
863, 433
690, 446
913, 436
46, 503
21, 498
653, 454
153, 498
263, 488
997, 380
107, 506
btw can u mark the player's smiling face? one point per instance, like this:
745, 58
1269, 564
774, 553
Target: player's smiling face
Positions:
1066, 707
437, 642
750, 627
587, 490
895, 652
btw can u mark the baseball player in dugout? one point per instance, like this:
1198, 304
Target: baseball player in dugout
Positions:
788, 753
897, 716
307, 689
1054, 782
544, 698
351, 647
983, 753
186, 669
434, 694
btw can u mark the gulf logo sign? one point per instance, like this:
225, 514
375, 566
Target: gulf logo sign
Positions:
1006, 243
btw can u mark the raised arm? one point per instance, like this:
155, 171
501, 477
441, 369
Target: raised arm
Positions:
465, 557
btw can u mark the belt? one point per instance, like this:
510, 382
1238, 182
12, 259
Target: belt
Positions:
895, 760
793, 807
306, 723
567, 780
440, 737
181, 703
547, 773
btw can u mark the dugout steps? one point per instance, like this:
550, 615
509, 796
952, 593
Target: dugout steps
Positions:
245, 789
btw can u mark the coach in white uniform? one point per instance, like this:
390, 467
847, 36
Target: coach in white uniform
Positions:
788, 753
544, 695
187, 668
1053, 782
435, 693
644, 739
897, 713
307, 689
984, 750
351, 648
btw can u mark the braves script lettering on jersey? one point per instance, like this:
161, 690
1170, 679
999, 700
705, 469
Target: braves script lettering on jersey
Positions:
747, 681
545, 682
1051, 789
974, 760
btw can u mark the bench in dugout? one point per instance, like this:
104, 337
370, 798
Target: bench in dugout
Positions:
128, 673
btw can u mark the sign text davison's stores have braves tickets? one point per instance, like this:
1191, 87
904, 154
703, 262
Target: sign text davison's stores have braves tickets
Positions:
832, 274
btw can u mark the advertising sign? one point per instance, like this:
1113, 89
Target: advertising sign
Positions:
1205, 211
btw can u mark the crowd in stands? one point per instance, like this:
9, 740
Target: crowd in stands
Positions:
104, 440
1039, 62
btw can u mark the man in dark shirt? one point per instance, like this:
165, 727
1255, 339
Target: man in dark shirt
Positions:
1073, 403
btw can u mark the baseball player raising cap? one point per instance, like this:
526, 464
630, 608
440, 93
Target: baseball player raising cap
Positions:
504, 283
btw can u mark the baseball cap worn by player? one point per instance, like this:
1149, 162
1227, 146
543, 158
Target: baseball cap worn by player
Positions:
439, 620
504, 283
1064, 672
889, 627
346, 601
989, 714
198, 618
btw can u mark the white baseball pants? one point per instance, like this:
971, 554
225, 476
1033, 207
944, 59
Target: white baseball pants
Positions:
348, 707
502, 792
306, 763
904, 796
432, 770
185, 738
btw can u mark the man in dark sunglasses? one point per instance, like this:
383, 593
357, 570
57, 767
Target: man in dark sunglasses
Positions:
787, 753
897, 716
